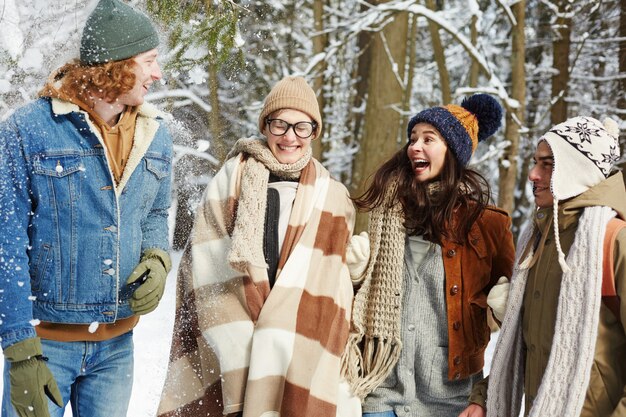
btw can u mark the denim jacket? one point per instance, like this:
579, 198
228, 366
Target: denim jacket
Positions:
70, 236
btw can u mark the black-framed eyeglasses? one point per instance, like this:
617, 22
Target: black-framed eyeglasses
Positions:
279, 127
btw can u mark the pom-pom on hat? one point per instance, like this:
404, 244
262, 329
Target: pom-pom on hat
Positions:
115, 31
477, 118
584, 152
292, 93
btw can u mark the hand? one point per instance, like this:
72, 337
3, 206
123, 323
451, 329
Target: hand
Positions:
31, 380
156, 264
358, 254
498, 297
474, 410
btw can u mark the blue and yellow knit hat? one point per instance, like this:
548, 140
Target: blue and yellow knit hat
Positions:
477, 118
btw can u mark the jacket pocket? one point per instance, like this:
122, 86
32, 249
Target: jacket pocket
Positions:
39, 269
61, 174
160, 167
597, 401
155, 171
439, 386
480, 329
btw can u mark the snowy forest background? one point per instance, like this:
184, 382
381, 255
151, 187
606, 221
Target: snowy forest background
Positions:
373, 65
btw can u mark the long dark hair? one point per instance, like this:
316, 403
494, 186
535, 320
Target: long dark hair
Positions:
448, 212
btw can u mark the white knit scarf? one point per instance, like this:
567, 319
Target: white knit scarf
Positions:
564, 384
247, 237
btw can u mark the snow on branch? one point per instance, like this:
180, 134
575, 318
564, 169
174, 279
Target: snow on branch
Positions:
314, 61
160, 95
494, 152
509, 13
375, 17
394, 64
494, 81
591, 78
182, 151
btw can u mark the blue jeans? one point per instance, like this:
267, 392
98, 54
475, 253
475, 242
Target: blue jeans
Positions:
381, 414
96, 377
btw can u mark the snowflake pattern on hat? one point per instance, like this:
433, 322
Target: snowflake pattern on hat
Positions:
589, 137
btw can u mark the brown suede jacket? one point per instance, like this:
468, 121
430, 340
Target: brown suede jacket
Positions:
472, 270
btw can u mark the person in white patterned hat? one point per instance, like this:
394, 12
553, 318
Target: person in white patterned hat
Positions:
562, 342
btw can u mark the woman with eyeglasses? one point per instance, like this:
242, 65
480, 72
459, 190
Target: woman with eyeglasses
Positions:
264, 295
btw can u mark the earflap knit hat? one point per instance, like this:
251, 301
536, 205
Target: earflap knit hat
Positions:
115, 31
584, 151
477, 118
292, 93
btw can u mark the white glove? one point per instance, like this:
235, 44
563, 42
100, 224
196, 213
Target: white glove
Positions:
358, 255
498, 297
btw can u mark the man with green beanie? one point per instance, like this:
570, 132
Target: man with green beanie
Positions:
84, 196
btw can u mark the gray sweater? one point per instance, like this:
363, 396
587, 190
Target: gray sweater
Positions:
418, 386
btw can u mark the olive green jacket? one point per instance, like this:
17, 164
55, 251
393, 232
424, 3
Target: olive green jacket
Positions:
606, 394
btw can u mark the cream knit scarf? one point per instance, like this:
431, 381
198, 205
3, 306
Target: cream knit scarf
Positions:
564, 384
375, 341
247, 236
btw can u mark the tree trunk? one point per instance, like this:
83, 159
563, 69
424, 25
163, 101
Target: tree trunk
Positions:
621, 103
439, 56
622, 56
362, 79
216, 124
183, 221
474, 67
514, 117
539, 20
412, 58
384, 92
320, 42
560, 54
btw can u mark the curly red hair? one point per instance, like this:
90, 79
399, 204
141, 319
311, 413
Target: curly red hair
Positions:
107, 81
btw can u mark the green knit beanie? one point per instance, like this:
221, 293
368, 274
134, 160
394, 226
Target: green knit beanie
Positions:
115, 31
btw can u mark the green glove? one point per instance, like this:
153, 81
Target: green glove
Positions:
31, 380
156, 263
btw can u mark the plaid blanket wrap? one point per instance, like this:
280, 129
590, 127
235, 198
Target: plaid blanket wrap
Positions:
239, 346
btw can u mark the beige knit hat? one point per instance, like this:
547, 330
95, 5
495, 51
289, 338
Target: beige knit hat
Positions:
292, 93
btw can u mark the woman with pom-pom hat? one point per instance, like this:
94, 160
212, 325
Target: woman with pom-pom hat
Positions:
419, 325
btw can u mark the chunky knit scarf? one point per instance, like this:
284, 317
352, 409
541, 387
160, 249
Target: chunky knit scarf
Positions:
236, 344
565, 381
375, 342
247, 238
